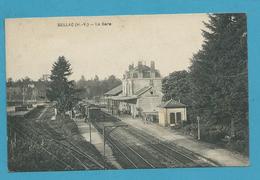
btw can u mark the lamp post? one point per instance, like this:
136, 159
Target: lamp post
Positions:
107, 133
198, 121
89, 131
87, 118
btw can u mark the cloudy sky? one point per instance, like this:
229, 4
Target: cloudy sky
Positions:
94, 47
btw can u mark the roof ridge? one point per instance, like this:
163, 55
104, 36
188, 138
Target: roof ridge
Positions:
173, 103
168, 102
119, 88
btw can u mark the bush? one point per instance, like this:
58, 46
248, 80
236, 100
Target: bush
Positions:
210, 134
213, 134
191, 129
239, 143
217, 135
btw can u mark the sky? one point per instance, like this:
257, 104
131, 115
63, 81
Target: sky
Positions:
101, 45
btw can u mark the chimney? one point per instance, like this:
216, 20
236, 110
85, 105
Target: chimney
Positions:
139, 64
152, 65
140, 73
130, 67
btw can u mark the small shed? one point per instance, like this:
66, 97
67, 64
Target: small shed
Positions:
172, 113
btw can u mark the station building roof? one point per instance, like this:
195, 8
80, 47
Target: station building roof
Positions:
172, 104
142, 90
115, 91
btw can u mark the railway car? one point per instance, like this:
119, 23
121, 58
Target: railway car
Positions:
93, 113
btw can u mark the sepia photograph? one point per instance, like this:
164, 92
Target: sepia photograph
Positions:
127, 92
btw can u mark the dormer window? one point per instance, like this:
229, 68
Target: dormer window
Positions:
146, 74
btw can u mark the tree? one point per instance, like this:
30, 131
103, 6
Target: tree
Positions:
177, 86
219, 76
60, 89
96, 78
9, 82
82, 82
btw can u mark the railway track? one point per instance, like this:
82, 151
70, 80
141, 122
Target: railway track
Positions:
188, 158
174, 156
145, 150
85, 160
148, 150
63, 164
52, 148
39, 133
170, 155
133, 157
140, 160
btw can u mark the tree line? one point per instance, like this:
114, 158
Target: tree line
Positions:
95, 87
66, 93
25, 89
59, 88
215, 87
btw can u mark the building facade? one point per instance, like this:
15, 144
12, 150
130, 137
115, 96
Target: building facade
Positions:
140, 95
172, 113
141, 91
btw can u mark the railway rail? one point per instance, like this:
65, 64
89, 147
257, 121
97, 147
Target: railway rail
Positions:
63, 164
174, 155
134, 158
40, 132
142, 157
145, 150
84, 159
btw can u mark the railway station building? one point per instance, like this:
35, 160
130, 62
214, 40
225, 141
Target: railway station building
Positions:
140, 93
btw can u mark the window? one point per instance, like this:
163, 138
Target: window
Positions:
178, 117
146, 74
172, 118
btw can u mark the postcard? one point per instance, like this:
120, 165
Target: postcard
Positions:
127, 92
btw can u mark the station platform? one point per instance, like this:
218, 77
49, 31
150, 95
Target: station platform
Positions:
13, 113
96, 140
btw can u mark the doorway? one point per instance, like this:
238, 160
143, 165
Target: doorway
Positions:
178, 117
